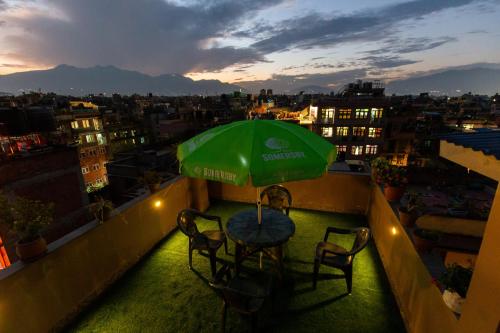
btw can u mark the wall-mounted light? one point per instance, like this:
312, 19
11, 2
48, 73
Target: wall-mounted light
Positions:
157, 204
394, 231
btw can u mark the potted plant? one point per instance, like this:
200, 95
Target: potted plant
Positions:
27, 218
377, 165
455, 281
425, 240
408, 212
153, 180
101, 209
394, 179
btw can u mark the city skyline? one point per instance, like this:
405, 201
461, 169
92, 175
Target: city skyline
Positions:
281, 41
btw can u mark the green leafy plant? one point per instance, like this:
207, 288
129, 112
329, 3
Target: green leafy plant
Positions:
456, 278
393, 176
101, 209
25, 217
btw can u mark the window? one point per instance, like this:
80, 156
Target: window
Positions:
85, 170
327, 132
374, 132
90, 138
377, 113
358, 131
343, 131
345, 113
74, 124
97, 125
341, 148
357, 150
101, 139
85, 123
328, 115
361, 113
371, 149
96, 167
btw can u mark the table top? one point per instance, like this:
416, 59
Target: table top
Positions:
276, 228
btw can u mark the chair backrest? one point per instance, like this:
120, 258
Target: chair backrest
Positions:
363, 236
279, 198
186, 222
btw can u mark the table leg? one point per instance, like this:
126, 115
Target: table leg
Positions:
237, 258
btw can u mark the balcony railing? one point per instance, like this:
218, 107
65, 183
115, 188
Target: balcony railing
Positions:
85, 262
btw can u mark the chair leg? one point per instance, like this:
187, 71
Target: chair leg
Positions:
348, 278
254, 322
223, 316
190, 257
315, 273
225, 246
213, 261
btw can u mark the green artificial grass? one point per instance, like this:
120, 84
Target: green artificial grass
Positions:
161, 294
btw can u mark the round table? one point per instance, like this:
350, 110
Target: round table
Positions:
275, 230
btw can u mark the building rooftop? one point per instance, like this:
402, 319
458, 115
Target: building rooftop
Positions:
486, 141
161, 294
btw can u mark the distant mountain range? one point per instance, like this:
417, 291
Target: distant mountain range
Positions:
69, 80
450, 82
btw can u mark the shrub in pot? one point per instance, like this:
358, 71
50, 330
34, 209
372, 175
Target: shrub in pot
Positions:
27, 218
101, 209
394, 179
377, 165
425, 240
408, 212
153, 180
456, 282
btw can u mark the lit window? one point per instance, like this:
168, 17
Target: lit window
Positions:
327, 132
90, 138
341, 148
85, 170
85, 123
345, 113
361, 113
142, 140
377, 113
371, 149
374, 132
74, 124
328, 115
343, 131
357, 150
101, 139
358, 131
96, 167
97, 124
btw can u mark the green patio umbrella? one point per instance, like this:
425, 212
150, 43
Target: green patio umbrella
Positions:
263, 152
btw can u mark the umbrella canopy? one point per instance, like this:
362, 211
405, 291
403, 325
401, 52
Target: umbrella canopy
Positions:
263, 151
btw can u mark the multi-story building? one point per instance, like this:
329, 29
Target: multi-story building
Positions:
354, 123
82, 125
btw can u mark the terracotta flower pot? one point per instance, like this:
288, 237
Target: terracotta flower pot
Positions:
393, 193
154, 187
407, 218
31, 251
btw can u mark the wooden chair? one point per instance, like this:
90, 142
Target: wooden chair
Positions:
279, 198
333, 255
209, 240
245, 295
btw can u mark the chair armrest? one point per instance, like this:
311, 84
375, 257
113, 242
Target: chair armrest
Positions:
336, 230
212, 218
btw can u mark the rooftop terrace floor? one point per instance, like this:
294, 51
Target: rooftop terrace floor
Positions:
161, 294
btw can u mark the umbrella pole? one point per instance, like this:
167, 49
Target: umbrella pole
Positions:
259, 207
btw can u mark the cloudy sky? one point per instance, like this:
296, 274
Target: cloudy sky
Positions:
318, 41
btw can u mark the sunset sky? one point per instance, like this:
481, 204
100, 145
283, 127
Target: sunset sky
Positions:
237, 41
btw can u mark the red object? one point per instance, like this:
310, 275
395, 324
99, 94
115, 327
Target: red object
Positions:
4, 258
